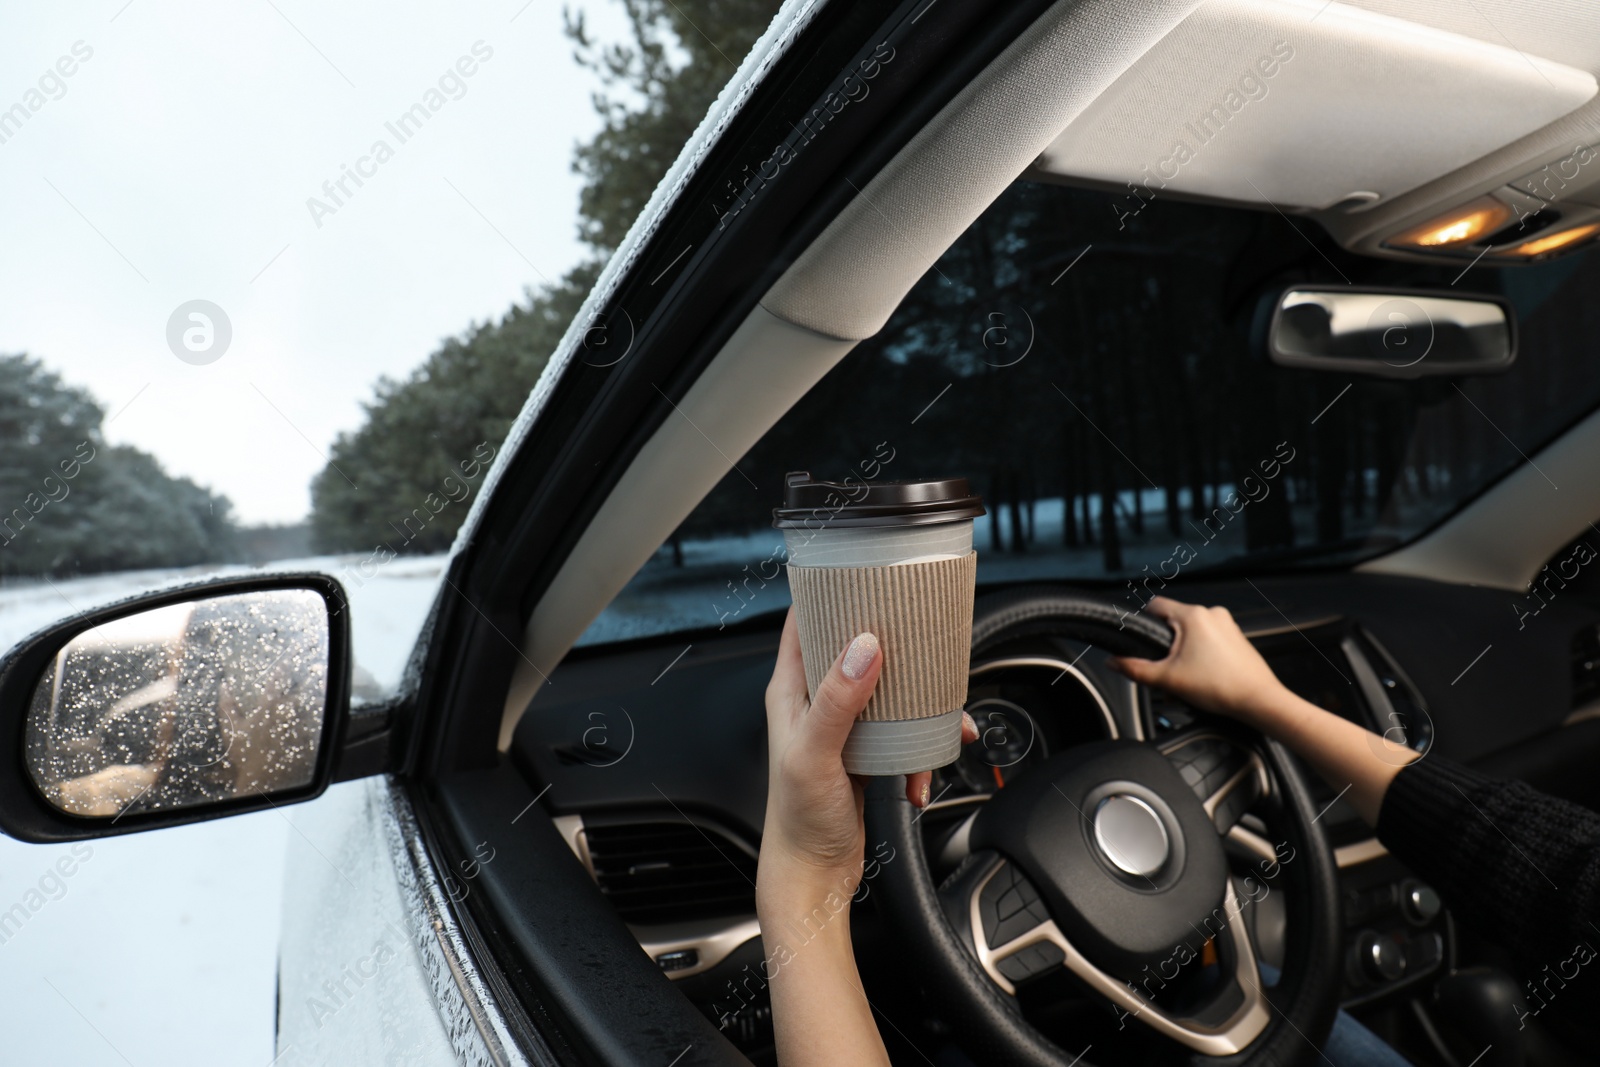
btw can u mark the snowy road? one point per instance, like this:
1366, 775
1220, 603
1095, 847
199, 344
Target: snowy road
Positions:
159, 948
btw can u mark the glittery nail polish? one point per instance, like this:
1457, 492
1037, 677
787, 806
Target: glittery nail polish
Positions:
859, 656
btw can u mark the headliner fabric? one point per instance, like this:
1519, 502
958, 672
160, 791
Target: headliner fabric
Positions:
852, 278
1301, 103
1564, 31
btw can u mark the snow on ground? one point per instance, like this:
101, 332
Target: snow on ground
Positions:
162, 947
386, 609
729, 579
158, 948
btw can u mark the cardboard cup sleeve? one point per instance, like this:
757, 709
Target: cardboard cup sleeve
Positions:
922, 616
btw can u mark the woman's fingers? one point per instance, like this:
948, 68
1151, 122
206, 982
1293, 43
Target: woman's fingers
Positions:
840, 698
1143, 671
917, 788
1169, 609
1151, 671
919, 784
842, 695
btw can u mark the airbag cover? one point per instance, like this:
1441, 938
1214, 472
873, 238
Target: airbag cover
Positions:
1120, 848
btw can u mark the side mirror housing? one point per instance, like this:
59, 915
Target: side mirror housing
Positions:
184, 705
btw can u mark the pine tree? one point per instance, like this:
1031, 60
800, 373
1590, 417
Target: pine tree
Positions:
419, 430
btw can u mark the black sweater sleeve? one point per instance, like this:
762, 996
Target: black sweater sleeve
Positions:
1513, 864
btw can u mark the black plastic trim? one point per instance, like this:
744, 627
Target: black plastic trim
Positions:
559, 942
369, 741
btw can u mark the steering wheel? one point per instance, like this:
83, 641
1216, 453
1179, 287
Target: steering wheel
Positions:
1107, 859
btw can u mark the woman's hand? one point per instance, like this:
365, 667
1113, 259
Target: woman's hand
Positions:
813, 806
1212, 665
811, 857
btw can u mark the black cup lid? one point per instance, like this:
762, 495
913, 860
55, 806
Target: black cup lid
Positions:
811, 503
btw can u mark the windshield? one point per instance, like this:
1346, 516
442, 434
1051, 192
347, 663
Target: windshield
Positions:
1092, 370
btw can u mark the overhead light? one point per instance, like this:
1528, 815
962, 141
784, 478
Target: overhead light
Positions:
1572, 235
1461, 226
1359, 200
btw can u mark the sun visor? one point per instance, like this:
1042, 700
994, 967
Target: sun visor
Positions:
1307, 105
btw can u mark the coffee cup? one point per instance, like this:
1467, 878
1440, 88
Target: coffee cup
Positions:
896, 559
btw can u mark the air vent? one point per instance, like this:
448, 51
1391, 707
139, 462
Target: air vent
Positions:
667, 872
1586, 666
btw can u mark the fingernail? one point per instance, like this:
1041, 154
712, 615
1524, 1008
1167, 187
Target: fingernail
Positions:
967, 725
859, 656
923, 800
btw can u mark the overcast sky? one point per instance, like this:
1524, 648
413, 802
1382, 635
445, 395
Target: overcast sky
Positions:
175, 164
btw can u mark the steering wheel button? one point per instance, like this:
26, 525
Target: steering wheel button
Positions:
1011, 903
1014, 922
1013, 928
990, 903
1031, 961
1219, 775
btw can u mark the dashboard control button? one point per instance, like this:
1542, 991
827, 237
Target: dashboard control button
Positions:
1423, 952
1383, 898
679, 960
1380, 956
1420, 903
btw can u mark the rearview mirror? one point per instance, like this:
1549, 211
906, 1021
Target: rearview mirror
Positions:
1391, 333
181, 706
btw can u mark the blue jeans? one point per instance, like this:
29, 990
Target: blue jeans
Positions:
1349, 1043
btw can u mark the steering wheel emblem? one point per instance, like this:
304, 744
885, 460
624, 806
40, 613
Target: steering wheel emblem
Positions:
1131, 835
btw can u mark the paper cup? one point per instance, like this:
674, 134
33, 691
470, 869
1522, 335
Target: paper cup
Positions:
896, 559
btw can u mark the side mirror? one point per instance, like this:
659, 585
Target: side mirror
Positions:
1391, 333
176, 707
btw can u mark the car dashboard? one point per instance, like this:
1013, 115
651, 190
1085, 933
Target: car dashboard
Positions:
654, 756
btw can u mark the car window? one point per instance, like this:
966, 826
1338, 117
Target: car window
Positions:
309, 358
1092, 369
